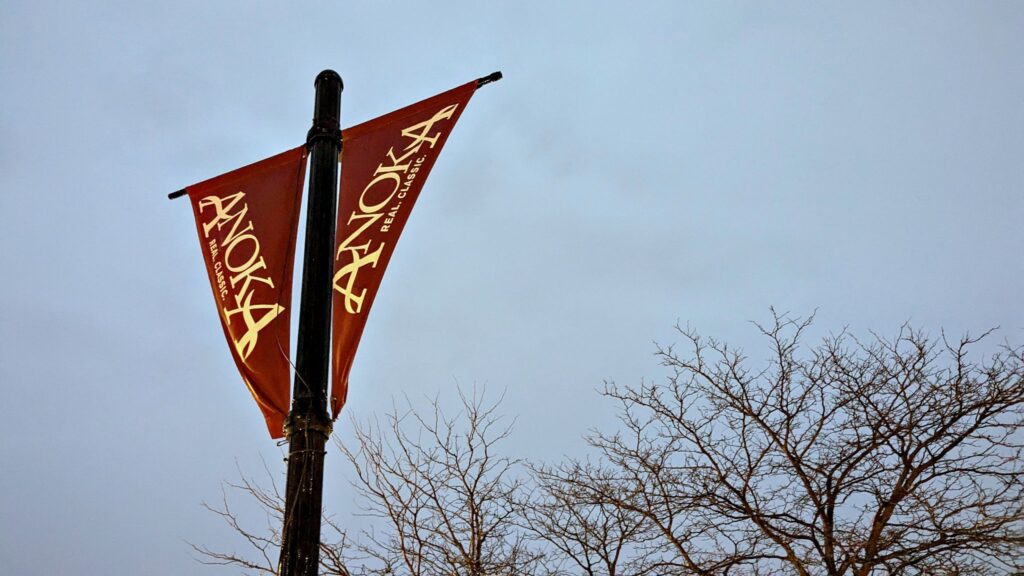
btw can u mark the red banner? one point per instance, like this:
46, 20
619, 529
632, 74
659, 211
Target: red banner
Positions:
384, 163
247, 221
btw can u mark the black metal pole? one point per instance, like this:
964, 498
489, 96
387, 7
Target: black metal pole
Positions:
308, 425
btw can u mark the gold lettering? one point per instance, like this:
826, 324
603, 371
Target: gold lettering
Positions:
362, 197
254, 316
395, 167
253, 325
345, 278
235, 232
247, 276
369, 212
220, 210
237, 241
370, 219
418, 133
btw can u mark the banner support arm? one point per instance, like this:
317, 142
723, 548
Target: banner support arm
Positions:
492, 77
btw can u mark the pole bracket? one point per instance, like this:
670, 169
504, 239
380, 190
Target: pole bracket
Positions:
299, 423
318, 133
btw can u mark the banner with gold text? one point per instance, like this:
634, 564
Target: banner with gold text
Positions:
384, 163
247, 220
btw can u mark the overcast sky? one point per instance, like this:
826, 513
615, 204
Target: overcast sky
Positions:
641, 164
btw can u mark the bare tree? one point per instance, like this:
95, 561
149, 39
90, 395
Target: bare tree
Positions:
898, 456
583, 535
444, 493
264, 544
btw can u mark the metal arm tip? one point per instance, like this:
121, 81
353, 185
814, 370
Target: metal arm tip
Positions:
492, 77
177, 194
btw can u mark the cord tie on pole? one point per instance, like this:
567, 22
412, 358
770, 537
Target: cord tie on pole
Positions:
299, 423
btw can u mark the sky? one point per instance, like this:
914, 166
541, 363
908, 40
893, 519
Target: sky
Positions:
641, 165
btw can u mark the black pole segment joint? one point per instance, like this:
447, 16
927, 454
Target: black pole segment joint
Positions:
177, 194
492, 77
317, 133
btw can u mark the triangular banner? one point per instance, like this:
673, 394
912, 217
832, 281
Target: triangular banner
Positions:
247, 220
384, 164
